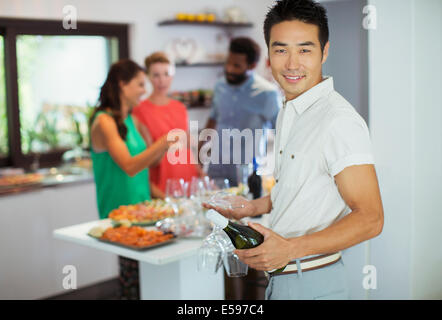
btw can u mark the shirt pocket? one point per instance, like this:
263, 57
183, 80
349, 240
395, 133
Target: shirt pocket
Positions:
295, 167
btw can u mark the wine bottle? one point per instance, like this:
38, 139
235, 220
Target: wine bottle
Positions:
254, 182
242, 237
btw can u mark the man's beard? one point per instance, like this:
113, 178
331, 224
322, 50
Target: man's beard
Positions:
234, 78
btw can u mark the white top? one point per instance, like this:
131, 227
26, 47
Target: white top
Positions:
318, 134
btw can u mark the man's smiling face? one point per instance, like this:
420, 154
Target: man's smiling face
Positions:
296, 57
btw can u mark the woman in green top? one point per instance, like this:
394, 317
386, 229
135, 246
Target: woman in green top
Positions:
119, 155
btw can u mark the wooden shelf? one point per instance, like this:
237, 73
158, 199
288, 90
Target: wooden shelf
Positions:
205, 23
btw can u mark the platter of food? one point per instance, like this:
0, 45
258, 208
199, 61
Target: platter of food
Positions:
132, 237
20, 180
146, 213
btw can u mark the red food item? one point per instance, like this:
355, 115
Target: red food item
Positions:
135, 236
143, 212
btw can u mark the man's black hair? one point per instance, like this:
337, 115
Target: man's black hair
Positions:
246, 46
307, 11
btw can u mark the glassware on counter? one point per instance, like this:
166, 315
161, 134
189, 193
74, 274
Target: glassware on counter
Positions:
174, 193
187, 225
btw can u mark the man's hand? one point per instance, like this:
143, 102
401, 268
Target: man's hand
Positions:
274, 253
240, 208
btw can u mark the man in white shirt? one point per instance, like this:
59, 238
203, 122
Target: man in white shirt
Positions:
326, 197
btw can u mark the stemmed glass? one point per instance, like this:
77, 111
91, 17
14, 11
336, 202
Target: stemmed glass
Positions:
220, 183
184, 187
211, 252
197, 189
174, 193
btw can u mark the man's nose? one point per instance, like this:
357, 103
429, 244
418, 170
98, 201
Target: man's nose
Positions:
229, 69
292, 62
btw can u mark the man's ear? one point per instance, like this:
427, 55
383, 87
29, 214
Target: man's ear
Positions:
325, 52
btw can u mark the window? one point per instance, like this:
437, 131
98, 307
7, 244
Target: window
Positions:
59, 78
49, 83
4, 148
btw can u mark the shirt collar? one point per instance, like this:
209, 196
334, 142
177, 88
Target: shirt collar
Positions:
308, 98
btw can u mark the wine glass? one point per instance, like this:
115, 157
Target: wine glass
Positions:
197, 188
184, 187
210, 255
225, 200
220, 183
213, 249
174, 192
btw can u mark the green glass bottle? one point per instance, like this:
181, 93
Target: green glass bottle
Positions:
242, 237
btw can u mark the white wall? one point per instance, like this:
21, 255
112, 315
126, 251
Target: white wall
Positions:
405, 115
31, 260
426, 267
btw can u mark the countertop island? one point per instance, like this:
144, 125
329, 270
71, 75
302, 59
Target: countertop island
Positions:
166, 272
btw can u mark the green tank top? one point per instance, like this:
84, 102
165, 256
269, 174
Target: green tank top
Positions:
114, 187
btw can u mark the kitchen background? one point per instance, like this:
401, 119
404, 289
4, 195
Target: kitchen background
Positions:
389, 71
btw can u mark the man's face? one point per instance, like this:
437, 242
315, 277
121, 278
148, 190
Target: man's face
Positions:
236, 68
295, 56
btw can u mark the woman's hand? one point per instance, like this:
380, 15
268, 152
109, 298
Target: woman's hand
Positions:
201, 173
163, 143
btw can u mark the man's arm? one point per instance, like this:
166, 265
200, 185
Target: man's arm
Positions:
359, 189
358, 186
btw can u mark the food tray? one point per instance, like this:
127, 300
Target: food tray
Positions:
156, 245
20, 185
139, 224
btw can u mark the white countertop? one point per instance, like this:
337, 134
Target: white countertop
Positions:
181, 248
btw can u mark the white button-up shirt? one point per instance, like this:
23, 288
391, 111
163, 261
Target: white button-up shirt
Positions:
318, 134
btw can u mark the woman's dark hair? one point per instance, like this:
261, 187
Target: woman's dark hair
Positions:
124, 70
246, 46
307, 11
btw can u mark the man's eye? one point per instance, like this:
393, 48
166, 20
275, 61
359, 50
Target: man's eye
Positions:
280, 50
304, 51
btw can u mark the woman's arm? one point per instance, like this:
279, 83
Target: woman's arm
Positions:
118, 150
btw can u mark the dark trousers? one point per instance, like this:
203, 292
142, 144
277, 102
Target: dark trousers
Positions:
129, 279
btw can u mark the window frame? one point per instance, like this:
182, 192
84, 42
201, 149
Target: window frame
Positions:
5, 161
10, 28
